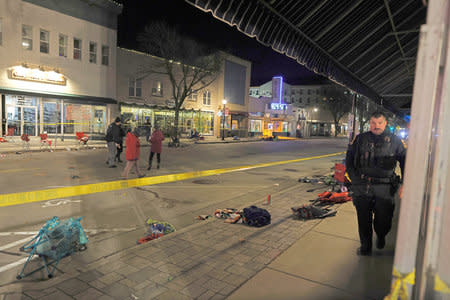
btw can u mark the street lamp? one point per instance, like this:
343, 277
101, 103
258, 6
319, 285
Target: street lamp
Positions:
224, 102
315, 109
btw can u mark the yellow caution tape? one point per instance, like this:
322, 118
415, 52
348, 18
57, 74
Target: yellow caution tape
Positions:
440, 285
72, 191
399, 288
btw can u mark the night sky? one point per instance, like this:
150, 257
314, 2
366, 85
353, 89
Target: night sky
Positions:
203, 27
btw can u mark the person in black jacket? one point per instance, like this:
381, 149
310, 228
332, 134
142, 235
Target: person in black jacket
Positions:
114, 137
120, 147
370, 163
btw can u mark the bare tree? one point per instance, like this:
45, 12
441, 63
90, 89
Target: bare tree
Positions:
189, 65
338, 102
364, 108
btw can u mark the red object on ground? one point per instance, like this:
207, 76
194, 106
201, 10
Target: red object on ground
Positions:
339, 173
25, 138
268, 199
81, 137
324, 194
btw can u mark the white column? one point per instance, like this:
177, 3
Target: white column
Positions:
423, 243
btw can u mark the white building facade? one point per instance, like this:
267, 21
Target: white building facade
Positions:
58, 66
146, 101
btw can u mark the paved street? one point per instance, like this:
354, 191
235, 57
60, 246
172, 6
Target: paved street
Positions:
114, 220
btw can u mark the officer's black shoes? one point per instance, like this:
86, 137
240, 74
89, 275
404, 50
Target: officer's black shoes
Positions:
381, 242
361, 251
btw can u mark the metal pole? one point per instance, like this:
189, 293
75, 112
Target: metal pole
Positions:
354, 117
223, 124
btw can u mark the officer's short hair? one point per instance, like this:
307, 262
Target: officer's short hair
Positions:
378, 114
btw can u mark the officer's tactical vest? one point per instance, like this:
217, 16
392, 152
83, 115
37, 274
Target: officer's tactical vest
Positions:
376, 155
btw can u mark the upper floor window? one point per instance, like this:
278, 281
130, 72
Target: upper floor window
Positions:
308, 100
157, 89
206, 98
44, 38
1, 37
105, 55
76, 49
27, 37
135, 87
93, 52
309, 92
192, 96
62, 45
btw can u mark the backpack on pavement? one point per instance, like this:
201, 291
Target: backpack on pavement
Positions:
255, 216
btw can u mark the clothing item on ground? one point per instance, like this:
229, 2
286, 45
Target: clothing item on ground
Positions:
156, 229
312, 212
256, 216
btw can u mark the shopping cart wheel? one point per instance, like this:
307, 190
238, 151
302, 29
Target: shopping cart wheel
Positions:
18, 277
50, 276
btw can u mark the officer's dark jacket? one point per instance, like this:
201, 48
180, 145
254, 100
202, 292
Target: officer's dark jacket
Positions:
374, 156
114, 133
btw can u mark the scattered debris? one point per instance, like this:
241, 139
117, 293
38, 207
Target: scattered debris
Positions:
255, 216
156, 229
75, 177
311, 211
203, 217
18, 152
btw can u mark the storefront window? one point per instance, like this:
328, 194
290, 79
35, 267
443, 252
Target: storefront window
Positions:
51, 116
84, 118
255, 126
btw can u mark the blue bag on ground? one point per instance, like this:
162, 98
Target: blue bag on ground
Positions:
255, 216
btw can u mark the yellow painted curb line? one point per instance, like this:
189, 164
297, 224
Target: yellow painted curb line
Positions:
71, 191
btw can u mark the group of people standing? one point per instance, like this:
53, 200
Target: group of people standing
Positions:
114, 140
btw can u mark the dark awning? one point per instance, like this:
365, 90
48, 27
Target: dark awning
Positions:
368, 46
70, 98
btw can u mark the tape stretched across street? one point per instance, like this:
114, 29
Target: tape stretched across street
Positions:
71, 191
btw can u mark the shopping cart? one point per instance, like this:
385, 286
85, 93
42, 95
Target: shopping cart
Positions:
53, 242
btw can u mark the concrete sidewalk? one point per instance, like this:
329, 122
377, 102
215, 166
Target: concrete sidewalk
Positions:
16, 145
288, 259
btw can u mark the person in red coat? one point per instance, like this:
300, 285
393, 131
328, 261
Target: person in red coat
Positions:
132, 154
156, 141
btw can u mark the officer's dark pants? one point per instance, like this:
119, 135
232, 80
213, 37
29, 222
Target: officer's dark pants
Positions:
374, 205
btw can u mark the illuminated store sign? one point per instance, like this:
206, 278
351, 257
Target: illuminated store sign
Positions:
278, 106
36, 74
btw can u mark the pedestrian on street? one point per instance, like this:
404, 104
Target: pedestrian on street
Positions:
156, 147
120, 147
132, 154
148, 129
371, 161
113, 139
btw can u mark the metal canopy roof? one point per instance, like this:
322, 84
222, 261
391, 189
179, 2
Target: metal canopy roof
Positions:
369, 46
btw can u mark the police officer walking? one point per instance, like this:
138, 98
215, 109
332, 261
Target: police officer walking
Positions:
371, 162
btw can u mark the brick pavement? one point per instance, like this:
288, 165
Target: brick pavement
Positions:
208, 260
